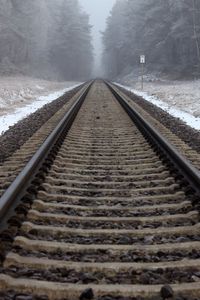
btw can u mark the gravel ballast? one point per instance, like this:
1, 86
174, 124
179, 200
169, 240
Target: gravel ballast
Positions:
189, 135
19, 133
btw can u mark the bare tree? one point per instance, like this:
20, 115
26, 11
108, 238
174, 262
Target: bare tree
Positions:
162, 29
45, 38
195, 31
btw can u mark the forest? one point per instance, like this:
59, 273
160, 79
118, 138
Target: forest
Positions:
53, 40
166, 31
45, 38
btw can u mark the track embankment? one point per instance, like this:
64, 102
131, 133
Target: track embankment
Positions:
111, 217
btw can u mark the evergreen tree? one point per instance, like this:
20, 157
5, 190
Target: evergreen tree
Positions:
46, 38
166, 31
73, 51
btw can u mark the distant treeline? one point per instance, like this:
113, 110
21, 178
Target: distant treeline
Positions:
47, 38
166, 31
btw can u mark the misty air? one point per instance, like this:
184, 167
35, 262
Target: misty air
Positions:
99, 149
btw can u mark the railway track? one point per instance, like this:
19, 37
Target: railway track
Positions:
110, 213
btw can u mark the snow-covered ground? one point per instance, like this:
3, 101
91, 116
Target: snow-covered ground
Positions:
179, 98
21, 96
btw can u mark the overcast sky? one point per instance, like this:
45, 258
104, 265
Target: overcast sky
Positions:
98, 11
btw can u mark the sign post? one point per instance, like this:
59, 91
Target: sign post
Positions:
142, 62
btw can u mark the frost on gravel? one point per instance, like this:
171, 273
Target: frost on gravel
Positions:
21, 96
180, 99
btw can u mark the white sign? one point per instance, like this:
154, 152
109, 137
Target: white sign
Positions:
142, 59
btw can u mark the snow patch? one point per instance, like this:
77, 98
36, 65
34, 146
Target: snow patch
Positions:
38, 87
188, 118
20, 113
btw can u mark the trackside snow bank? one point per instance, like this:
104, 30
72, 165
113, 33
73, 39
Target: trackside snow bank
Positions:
186, 117
20, 113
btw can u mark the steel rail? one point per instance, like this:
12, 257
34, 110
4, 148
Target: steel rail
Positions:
17, 189
186, 169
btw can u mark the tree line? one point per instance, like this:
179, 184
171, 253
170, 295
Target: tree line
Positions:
166, 31
45, 38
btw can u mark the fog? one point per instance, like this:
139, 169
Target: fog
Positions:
99, 11
52, 38
45, 38
166, 31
